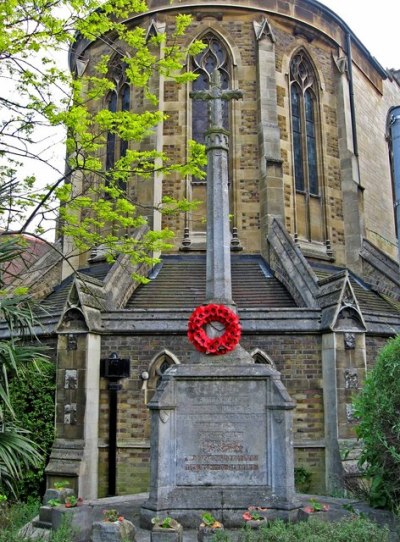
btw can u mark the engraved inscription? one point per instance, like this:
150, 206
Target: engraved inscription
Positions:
221, 432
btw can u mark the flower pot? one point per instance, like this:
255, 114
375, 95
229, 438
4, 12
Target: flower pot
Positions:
161, 534
256, 523
106, 531
206, 534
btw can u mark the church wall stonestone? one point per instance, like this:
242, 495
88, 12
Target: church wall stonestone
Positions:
317, 367
297, 357
371, 109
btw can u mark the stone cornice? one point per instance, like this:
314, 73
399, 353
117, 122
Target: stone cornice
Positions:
296, 10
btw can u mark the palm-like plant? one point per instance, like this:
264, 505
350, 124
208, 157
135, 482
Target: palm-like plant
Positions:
17, 451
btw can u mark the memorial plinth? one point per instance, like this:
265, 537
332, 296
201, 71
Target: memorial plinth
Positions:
221, 437
221, 441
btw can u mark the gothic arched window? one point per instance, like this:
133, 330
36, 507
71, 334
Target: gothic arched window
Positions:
304, 122
213, 57
118, 100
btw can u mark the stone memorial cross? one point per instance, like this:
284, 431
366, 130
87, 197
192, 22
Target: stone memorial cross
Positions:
218, 269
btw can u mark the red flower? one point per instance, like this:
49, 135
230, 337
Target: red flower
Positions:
246, 516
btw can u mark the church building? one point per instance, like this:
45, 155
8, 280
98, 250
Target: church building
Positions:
314, 248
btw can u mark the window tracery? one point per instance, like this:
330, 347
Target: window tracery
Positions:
305, 133
117, 100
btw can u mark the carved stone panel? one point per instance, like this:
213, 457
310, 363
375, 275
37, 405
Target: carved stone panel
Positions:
351, 379
71, 379
349, 341
350, 413
216, 437
70, 414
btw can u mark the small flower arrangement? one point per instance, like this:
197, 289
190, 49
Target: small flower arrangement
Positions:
71, 501
208, 520
165, 523
252, 516
112, 516
316, 506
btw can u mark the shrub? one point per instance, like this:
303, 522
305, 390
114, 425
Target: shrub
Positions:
302, 479
32, 397
377, 408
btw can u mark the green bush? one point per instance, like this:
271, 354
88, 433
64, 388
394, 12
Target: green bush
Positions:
302, 479
32, 397
378, 410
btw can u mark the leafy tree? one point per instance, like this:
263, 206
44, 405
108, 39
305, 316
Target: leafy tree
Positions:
378, 409
96, 208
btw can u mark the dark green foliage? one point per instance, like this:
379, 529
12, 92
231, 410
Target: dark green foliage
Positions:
314, 530
302, 479
378, 409
32, 397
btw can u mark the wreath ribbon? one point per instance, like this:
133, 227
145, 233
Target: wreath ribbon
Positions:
206, 314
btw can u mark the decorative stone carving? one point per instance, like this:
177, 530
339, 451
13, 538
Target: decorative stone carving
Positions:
70, 414
350, 413
72, 343
71, 379
341, 64
263, 30
351, 379
349, 341
164, 415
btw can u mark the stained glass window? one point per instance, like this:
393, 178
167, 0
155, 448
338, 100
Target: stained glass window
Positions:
303, 125
118, 100
307, 183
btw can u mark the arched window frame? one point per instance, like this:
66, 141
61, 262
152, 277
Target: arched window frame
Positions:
216, 56
118, 99
261, 358
159, 364
306, 148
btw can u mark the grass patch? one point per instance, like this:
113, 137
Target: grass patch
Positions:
16, 515
315, 530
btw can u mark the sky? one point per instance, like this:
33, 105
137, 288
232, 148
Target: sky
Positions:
376, 24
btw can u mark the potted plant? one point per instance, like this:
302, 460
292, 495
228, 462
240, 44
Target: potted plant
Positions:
166, 529
112, 516
315, 507
59, 492
253, 518
113, 527
209, 526
71, 501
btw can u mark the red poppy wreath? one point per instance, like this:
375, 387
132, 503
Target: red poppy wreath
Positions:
206, 314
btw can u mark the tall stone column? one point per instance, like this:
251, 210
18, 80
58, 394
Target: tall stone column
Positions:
218, 273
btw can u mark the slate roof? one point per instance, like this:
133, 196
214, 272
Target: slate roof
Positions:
368, 299
55, 301
180, 282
